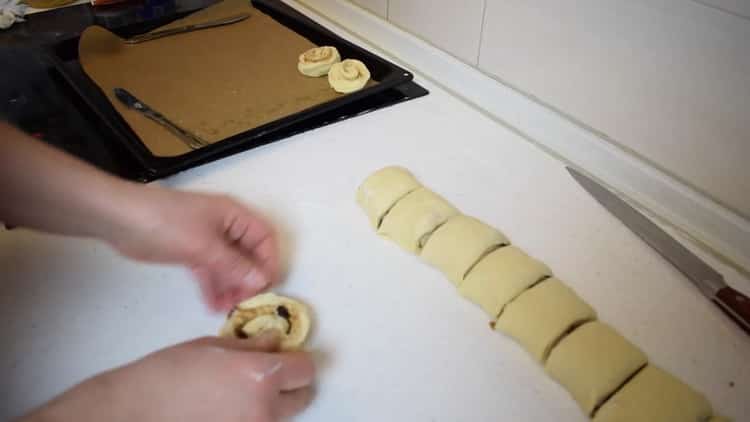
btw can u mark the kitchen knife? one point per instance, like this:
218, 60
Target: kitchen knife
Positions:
709, 281
191, 140
187, 28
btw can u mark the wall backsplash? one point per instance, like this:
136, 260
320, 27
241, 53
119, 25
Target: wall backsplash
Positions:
669, 80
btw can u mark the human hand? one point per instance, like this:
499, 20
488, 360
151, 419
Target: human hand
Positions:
208, 379
231, 249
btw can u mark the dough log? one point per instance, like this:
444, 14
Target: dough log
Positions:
317, 61
270, 312
348, 76
542, 315
592, 362
607, 375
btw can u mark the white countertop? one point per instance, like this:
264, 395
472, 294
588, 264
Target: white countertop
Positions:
393, 339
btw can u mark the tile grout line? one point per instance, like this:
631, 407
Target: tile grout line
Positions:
721, 9
481, 31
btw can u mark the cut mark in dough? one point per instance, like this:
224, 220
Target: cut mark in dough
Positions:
489, 250
617, 390
565, 333
382, 190
380, 220
592, 361
541, 315
415, 217
458, 243
654, 395
500, 277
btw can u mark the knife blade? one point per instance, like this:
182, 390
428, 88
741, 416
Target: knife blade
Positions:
187, 28
710, 282
130, 101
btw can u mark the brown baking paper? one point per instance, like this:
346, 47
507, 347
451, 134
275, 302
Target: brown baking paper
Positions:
215, 83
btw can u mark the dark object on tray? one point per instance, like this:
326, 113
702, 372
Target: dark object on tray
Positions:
394, 86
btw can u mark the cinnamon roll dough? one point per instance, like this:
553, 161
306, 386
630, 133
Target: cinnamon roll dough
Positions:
655, 395
592, 362
348, 76
377, 194
317, 61
541, 315
414, 217
501, 276
270, 312
458, 244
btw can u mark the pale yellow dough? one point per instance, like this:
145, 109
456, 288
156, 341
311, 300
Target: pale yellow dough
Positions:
592, 362
458, 244
541, 315
348, 76
317, 61
654, 395
411, 221
288, 318
377, 194
501, 276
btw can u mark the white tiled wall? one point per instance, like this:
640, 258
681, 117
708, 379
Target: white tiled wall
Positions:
453, 26
739, 7
667, 79
379, 7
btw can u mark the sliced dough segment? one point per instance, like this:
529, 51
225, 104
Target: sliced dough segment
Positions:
501, 276
377, 194
655, 395
541, 315
592, 362
457, 245
410, 222
289, 318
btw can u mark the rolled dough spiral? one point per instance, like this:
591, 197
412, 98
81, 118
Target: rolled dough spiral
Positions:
270, 312
317, 61
348, 76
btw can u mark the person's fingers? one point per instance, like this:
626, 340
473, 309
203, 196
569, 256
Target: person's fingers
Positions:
247, 228
232, 270
267, 342
208, 291
292, 403
297, 370
266, 254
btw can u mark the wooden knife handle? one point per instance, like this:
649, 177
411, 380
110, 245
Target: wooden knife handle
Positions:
735, 305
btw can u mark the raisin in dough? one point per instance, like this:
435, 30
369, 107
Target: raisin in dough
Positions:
541, 315
592, 362
377, 194
499, 277
289, 318
655, 395
411, 221
458, 244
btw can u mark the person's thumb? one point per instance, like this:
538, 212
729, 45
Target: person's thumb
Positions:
268, 342
232, 269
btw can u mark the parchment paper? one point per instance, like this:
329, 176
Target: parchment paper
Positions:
216, 82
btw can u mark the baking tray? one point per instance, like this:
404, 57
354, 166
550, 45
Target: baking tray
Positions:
388, 75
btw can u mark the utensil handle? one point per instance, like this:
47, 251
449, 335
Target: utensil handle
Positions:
191, 140
736, 305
